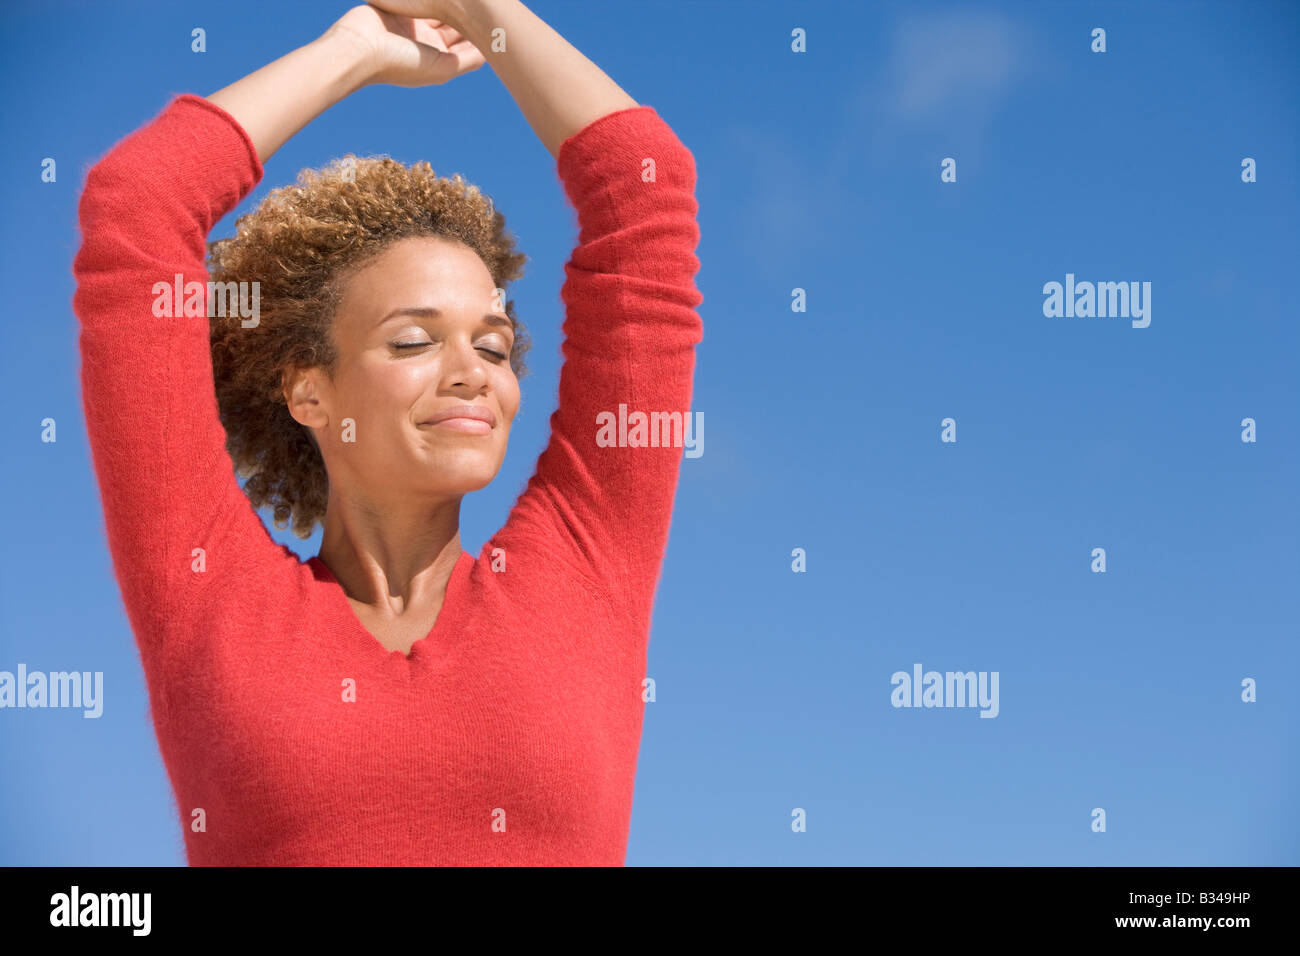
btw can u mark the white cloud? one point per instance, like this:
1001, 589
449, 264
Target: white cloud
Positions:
950, 62
946, 74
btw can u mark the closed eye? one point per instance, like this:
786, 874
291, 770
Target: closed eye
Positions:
420, 345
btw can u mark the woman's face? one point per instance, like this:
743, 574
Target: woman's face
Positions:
419, 331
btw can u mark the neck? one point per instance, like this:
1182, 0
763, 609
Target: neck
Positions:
390, 555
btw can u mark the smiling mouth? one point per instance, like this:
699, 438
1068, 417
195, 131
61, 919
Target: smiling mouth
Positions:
466, 418
467, 426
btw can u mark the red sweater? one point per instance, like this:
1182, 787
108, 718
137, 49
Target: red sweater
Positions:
510, 734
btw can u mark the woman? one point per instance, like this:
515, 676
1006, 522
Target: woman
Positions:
393, 700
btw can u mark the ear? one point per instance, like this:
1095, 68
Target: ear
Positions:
304, 392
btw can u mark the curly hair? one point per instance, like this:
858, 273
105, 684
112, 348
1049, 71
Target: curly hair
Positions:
301, 245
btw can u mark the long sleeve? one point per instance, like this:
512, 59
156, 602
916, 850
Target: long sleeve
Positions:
630, 332
167, 483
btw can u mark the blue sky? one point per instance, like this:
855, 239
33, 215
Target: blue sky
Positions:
817, 171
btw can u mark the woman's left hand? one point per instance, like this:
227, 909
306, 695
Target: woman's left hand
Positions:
405, 51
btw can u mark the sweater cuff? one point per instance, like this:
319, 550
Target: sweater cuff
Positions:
610, 152
254, 161
193, 153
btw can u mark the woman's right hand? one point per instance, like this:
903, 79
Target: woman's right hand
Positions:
404, 50
366, 45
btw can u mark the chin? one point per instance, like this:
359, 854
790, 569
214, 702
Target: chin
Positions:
462, 480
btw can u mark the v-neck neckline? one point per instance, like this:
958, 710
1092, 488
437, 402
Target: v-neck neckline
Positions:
422, 646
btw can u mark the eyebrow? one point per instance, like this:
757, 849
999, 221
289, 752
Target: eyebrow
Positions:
428, 312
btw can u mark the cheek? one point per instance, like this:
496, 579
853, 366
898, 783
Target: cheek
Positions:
508, 396
381, 390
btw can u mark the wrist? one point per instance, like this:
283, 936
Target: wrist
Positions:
451, 11
469, 15
348, 60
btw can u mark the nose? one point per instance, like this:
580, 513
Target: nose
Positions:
462, 366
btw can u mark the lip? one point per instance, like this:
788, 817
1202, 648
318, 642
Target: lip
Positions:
477, 413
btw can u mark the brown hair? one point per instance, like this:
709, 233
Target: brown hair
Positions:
301, 244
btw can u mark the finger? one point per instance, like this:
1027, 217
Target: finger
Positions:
439, 66
439, 24
428, 35
449, 34
469, 56
437, 34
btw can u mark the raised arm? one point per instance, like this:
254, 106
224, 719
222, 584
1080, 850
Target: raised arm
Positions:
179, 527
367, 45
630, 327
558, 89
